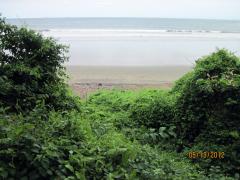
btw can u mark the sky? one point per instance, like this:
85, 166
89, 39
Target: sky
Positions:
203, 9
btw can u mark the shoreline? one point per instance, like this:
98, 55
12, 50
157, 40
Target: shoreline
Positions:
88, 79
84, 89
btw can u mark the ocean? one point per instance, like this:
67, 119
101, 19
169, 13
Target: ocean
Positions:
137, 41
224, 26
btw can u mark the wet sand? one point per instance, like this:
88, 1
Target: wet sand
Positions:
87, 79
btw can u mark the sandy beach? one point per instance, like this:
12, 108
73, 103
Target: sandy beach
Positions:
87, 79
134, 53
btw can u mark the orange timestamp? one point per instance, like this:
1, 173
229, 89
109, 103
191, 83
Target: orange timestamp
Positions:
205, 155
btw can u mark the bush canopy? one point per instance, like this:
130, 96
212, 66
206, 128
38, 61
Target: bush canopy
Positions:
31, 70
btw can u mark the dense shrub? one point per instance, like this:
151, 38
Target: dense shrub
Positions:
208, 107
37, 146
58, 146
144, 161
70, 146
112, 100
31, 70
155, 165
136, 161
153, 109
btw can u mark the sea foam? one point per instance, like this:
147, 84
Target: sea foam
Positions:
137, 33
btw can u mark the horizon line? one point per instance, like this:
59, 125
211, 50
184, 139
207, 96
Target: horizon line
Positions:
121, 18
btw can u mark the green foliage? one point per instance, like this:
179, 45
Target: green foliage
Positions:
153, 109
114, 100
117, 134
152, 164
55, 146
38, 146
208, 107
31, 70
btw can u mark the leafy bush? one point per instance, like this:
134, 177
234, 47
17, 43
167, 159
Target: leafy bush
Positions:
37, 146
153, 109
146, 162
207, 107
55, 146
31, 70
152, 164
112, 100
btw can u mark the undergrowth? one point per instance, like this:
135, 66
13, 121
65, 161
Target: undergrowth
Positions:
48, 133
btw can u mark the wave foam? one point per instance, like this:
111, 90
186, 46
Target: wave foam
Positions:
139, 33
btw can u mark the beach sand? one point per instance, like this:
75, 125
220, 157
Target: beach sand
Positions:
87, 79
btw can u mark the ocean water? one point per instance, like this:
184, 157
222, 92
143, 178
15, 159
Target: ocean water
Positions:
137, 41
131, 23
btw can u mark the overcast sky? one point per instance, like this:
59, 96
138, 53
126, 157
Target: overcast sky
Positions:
207, 9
